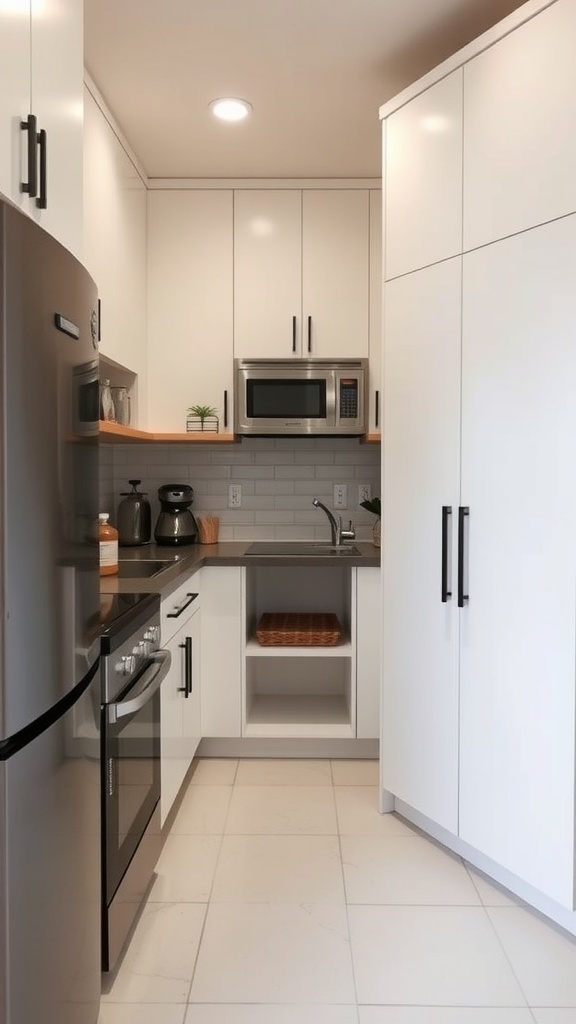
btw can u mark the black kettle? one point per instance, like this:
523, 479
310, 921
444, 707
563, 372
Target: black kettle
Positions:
134, 517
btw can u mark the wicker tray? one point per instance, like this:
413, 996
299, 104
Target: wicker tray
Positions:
299, 629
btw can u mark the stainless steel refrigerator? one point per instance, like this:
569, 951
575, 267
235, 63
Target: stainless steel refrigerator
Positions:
49, 638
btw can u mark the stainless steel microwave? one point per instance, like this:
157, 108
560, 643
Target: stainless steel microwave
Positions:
304, 396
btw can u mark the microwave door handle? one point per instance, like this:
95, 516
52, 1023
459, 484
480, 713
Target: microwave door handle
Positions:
331, 400
151, 681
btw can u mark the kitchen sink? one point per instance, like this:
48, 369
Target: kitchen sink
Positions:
142, 568
300, 548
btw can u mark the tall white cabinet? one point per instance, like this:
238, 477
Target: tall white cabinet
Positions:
479, 448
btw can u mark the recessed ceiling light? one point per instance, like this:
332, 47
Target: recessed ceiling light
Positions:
229, 109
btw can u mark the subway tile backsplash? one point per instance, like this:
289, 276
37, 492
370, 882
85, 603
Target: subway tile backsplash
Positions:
279, 477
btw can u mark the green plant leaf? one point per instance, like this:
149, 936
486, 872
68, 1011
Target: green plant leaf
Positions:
202, 411
373, 505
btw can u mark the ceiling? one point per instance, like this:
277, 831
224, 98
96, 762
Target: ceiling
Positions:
315, 71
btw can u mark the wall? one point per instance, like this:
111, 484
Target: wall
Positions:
279, 478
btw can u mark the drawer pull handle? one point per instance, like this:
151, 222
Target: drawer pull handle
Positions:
186, 604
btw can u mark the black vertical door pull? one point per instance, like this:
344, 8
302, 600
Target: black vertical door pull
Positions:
377, 409
225, 408
187, 648
463, 514
42, 200
188, 656
293, 333
446, 514
30, 186
309, 333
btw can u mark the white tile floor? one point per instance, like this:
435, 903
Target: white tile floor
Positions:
283, 897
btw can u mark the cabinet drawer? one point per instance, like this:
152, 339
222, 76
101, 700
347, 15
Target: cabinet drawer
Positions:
180, 606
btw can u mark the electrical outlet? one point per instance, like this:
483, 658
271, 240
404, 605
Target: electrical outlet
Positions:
235, 496
364, 492
340, 496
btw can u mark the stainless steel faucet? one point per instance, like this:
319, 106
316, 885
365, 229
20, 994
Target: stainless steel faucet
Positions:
339, 535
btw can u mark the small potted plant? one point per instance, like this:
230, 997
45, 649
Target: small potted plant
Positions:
374, 506
202, 417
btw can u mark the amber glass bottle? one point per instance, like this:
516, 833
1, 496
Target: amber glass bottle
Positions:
108, 539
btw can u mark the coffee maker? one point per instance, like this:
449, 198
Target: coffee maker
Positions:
175, 524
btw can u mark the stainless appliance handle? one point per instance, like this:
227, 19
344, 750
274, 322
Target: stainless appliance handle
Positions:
150, 680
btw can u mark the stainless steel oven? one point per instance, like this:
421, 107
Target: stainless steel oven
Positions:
133, 667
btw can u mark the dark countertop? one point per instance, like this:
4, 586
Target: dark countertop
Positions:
189, 558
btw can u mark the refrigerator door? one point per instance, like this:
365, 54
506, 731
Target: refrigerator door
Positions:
48, 472
50, 867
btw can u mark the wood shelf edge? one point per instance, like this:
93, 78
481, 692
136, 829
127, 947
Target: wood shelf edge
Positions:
371, 439
115, 433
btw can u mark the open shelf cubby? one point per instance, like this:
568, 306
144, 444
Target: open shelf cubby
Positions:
299, 691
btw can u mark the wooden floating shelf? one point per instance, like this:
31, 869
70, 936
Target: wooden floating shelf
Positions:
114, 433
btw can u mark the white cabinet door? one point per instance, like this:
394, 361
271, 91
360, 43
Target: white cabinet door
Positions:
301, 276
519, 143
423, 178
180, 712
267, 273
419, 747
375, 333
57, 100
368, 652
14, 98
335, 273
41, 73
518, 630
115, 246
221, 650
190, 358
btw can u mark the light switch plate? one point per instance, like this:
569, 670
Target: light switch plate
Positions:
340, 496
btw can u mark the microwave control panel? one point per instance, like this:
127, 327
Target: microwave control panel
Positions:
348, 398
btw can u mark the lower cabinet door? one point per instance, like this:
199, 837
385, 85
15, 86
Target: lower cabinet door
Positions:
180, 712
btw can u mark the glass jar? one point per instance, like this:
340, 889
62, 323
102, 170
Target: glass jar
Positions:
121, 400
107, 410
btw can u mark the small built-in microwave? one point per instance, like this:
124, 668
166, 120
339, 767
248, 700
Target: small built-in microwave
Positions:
304, 396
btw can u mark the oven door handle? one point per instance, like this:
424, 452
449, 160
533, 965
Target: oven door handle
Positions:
150, 683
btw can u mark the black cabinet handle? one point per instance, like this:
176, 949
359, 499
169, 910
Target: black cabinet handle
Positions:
293, 333
446, 514
182, 608
225, 408
187, 648
377, 409
42, 201
30, 186
309, 333
463, 514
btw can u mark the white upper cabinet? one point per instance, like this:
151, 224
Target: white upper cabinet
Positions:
423, 178
115, 245
41, 73
335, 274
14, 99
267, 273
519, 138
190, 359
301, 273
375, 333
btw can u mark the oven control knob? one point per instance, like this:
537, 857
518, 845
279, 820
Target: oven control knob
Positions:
140, 651
126, 665
153, 634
